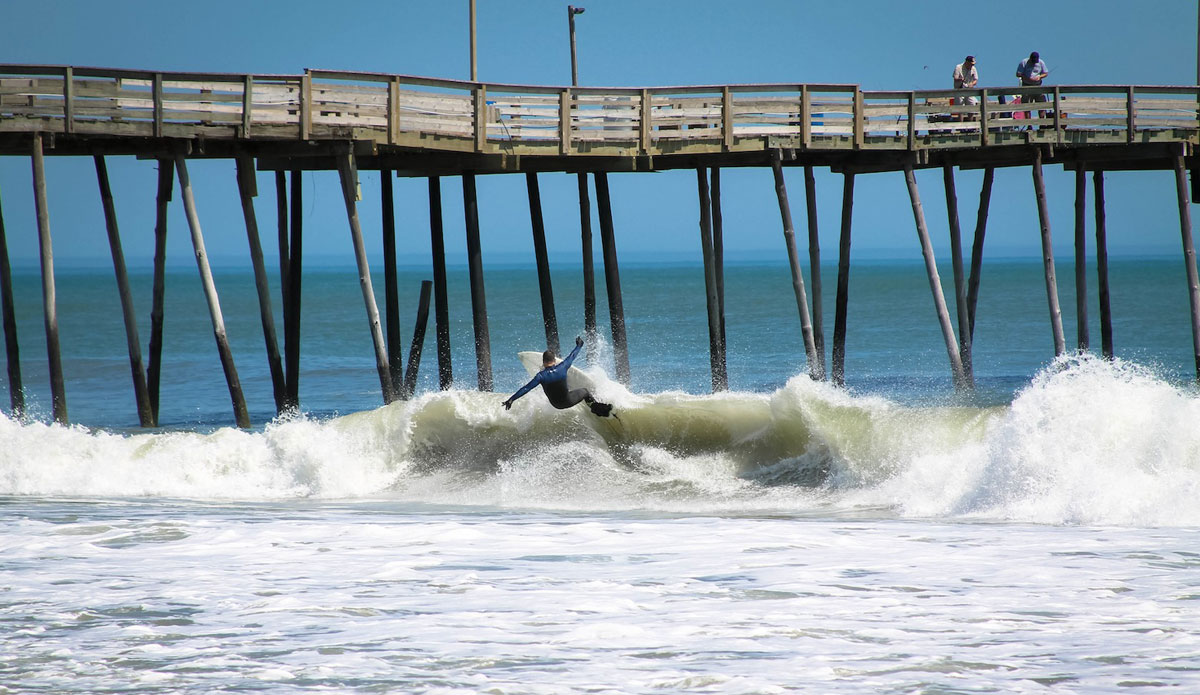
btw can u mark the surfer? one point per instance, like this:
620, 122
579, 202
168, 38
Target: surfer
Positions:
553, 379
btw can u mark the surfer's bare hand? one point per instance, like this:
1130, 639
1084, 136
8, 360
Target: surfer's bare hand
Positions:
578, 341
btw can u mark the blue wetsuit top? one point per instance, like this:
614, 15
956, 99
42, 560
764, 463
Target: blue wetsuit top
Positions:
554, 383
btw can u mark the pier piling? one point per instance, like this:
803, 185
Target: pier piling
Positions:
935, 284
166, 182
589, 273
58, 393
1081, 310
1106, 328
295, 273
418, 341
814, 264
141, 395
248, 190
12, 350
612, 280
961, 305
483, 345
349, 175
1039, 187
441, 307
391, 285
981, 217
1189, 256
720, 381
789, 241
545, 287
843, 284
210, 294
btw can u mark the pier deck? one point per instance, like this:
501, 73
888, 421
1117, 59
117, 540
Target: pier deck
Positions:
423, 126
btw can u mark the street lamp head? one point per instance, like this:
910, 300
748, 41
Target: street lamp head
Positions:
575, 10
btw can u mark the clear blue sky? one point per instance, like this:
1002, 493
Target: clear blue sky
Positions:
879, 45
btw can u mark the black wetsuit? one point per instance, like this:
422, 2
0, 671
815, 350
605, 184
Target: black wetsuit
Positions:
554, 385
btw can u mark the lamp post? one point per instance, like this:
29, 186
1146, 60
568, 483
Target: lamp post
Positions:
571, 12
474, 70
585, 214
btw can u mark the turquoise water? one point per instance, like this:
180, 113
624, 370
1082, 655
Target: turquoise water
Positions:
894, 343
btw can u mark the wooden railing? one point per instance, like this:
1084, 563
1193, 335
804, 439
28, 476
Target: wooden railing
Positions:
480, 117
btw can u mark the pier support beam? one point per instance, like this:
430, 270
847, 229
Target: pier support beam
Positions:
720, 380
1189, 256
612, 280
589, 273
985, 201
718, 240
291, 298
814, 265
49, 303
1081, 312
166, 181
418, 341
935, 284
1039, 187
483, 343
349, 175
248, 190
1106, 329
789, 241
545, 287
134, 343
391, 284
210, 294
441, 307
960, 282
843, 284
12, 351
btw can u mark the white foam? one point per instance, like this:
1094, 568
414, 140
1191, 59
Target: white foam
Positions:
1088, 441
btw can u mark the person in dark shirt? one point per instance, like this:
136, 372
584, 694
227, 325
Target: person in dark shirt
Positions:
553, 379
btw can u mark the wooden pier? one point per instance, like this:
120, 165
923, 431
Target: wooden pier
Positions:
425, 127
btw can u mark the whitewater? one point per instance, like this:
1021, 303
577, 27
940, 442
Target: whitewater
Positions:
808, 538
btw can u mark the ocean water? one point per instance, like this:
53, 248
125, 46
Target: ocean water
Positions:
1038, 535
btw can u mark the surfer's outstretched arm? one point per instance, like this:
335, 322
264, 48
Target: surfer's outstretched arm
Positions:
523, 390
574, 353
